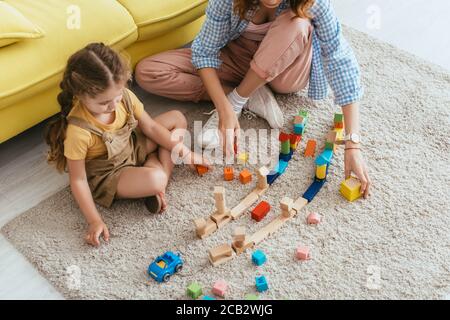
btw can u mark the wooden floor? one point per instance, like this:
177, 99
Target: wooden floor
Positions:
418, 26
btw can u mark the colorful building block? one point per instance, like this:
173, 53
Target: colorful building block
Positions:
310, 148
228, 174
201, 170
351, 189
285, 147
284, 137
245, 176
295, 140
194, 290
302, 253
286, 157
208, 298
242, 158
324, 158
251, 296
299, 128
338, 117
313, 218
281, 167
313, 189
259, 258
260, 211
339, 125
272, 176
261, 283
220, 287
321, 171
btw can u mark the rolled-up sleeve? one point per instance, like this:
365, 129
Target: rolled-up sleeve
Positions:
339, 61
213, 36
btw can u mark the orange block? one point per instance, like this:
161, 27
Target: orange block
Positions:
310, 148
245, 176
339, 125
228, 173
201, 170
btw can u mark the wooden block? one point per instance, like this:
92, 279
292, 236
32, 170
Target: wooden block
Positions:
284, 137
220, 254
221, 218
201, 170
200, 226
298, 119
228, 174
262, 178
338, 125
220, 288
219, 193
241, 248
299, 204
331, 136
239, 234
247, 202
310, 148
267, 230
245, 176
210, 227
286, 206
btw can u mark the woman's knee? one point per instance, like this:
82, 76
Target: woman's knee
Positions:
281, 87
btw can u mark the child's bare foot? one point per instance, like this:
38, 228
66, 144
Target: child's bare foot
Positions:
156, 203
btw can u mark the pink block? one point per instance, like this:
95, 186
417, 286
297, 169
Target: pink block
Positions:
302, 253
220, 287
313, 218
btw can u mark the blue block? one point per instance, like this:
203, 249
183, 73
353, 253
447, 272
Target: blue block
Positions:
313, 189
258, 258
208, 298
281, 167
261, 284
285, 157
299, 128
272, 176
324, 158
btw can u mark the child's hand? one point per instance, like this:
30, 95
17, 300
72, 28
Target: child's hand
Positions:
95, 230
354, 162
197, 159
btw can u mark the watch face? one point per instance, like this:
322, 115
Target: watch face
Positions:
355, 138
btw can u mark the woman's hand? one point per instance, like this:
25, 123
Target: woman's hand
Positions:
354, 162
96, 229
229, 129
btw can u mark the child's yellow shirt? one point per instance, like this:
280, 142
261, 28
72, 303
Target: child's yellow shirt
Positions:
80, 144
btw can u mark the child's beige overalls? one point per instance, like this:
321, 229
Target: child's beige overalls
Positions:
126, 148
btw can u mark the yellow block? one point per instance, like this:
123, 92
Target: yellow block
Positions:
321, 171
242, 158
351, 189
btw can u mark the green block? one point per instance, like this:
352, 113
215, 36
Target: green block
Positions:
303, 113
329, 145
286, 147
194, 290
251, 296
338, 117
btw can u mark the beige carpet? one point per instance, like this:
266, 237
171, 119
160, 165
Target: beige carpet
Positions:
395, 245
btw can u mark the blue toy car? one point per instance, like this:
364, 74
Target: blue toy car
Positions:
164, 266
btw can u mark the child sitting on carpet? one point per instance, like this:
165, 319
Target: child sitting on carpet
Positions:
110, 145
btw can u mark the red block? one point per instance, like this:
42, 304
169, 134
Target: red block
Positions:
295, 138
260, 211
284, 137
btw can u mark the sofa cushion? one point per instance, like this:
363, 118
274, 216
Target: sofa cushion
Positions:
15, 27
163, 16
29, 67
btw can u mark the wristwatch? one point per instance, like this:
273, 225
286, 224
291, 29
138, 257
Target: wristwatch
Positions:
353, 137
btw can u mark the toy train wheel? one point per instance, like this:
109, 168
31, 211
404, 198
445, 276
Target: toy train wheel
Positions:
178, 267
166, 277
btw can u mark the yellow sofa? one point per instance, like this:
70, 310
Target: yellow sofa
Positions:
31, 69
